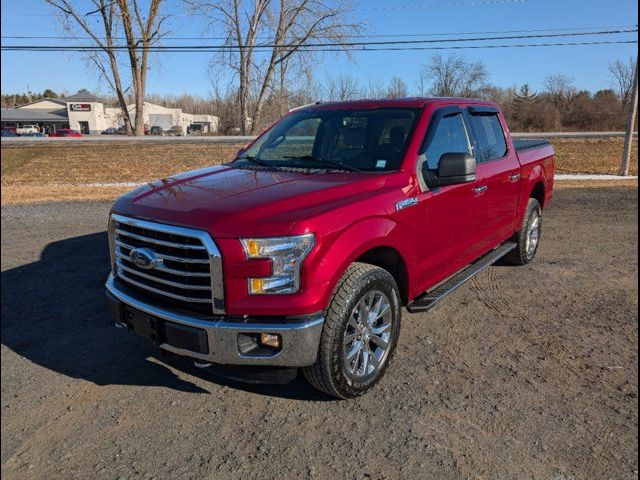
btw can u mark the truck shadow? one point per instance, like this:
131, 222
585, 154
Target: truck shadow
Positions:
54, 314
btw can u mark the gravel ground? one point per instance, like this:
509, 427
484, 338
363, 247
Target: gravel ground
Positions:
525, 372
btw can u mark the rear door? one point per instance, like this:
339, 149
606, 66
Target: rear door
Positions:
498, 174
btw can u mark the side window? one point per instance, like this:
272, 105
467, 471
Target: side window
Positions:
450, 137
489, 136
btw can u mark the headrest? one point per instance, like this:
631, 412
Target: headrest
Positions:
396, 136
354, 137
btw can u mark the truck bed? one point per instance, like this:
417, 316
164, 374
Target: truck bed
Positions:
522, 145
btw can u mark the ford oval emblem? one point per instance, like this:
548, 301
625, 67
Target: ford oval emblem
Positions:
143, 258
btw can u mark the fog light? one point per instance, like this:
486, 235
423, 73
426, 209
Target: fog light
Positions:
270, 340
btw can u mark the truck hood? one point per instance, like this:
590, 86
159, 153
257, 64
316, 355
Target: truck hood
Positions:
233, 202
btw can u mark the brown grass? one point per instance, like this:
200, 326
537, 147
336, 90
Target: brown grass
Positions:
58, 172
592, 155
15, 194
84, 163
596, 183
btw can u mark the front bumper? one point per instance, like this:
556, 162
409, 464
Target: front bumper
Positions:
222, 338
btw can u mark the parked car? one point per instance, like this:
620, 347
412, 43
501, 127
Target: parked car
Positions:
175, 131
156, 130
109, 131
65, 132
21, 130
303, 251
8, 133
33, 134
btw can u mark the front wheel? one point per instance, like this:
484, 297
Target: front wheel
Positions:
360, 333
528, 238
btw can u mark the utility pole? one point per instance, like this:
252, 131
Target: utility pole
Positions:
631, 121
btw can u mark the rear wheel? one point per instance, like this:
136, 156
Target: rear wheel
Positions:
360, 333
528, 238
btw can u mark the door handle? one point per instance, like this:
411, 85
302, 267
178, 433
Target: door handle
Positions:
481, 189
514, 178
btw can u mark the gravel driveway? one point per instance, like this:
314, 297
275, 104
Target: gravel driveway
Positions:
525, 372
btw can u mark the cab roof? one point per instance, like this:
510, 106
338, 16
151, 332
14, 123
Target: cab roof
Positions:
408, 102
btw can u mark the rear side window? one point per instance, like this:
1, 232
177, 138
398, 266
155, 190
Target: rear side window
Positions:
489, 136
450, 137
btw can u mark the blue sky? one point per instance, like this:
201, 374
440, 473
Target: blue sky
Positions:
179, 73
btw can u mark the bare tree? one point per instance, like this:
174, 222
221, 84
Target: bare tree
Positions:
454, 75
423, 83
344, 87
397, 88
375, 89
141, 31
265, 39
561, 89
622, 73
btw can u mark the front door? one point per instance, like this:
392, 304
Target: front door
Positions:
452, 215
84, 128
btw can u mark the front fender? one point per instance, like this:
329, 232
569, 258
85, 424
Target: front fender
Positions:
352, 243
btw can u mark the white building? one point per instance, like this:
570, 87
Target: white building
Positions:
88, 114
167, 118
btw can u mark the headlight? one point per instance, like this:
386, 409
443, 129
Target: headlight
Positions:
286, 255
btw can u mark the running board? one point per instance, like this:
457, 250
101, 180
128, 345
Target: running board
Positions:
429, 299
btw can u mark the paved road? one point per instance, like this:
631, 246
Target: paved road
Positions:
524, 373
241, 139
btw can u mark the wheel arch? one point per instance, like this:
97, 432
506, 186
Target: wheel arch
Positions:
538, 192
391, 260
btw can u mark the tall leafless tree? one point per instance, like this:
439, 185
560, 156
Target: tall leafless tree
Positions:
266, 38
454, 76
561, 89
141, 30
622, 72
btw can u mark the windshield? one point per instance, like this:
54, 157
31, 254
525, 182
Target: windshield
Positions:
358, 140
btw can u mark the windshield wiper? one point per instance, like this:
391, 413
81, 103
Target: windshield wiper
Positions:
252, 159
311, 158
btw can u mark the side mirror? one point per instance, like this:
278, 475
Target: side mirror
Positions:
454, 168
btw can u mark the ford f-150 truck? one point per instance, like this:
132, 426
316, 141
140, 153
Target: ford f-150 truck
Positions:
303, 250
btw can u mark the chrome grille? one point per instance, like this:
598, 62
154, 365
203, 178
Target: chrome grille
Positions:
186, 268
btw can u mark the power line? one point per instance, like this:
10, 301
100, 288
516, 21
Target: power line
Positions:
387, 35
463, 47
383, 49
261, 47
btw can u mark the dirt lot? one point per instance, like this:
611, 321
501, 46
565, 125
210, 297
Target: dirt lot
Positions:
525, 373
65, 172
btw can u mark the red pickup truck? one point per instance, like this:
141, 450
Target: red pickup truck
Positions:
303, 250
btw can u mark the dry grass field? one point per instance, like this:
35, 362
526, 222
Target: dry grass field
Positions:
62, 172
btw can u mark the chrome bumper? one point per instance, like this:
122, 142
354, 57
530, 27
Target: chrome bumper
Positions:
300, 341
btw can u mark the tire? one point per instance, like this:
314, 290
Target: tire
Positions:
529, 232
361, 292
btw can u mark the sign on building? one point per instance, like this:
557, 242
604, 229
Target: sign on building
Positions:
80, 107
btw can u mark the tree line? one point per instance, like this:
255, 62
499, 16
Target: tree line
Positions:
558, 106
